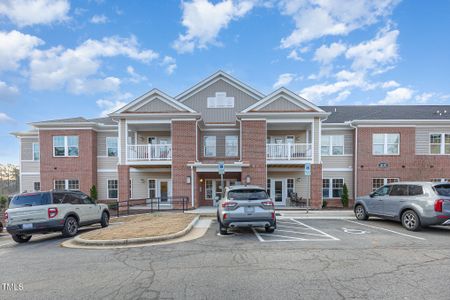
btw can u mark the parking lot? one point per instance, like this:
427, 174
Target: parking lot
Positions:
304, 258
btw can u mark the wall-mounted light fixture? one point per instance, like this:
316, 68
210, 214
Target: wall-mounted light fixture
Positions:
298, 179
248, 179
188, 179
201, 180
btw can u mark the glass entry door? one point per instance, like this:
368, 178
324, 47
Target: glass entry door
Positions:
278, 191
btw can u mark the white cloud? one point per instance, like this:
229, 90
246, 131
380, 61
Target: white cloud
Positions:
204, 20
113, 104
315, 19
169, 63
283, 80
14, 47
398, 96
294, 55
99, 19
7, 91
326, 54
375, 53
390, 84
75, 68
32, 12
134, 76
424, 97
4, 118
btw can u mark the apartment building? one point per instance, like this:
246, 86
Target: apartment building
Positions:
159, 146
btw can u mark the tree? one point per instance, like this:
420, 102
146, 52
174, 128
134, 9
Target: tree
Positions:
344, 196
93, 193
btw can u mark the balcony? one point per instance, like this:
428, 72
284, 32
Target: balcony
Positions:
289, 151
149, 153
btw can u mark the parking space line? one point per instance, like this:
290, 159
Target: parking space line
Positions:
257, 235
298, 232
385, 229
320, 231
283, 236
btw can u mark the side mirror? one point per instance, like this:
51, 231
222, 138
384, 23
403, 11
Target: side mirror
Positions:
372, 195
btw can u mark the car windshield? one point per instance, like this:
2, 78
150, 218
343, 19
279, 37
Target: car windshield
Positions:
30, 200
247, 194
443, 189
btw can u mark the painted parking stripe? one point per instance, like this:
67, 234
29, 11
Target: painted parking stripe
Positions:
320, 231
297, 232
385, 229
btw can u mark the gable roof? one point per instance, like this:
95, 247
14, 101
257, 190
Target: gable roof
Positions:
296, 103
151, 96
341, 114
219, 75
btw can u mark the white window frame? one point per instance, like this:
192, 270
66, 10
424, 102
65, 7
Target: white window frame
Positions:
153, 189
108, 188
66, 184
385, 144
385, 181
332, 145
330, 188
440, 180
442, 143
205, 145
287, 185
107, 147
234, 149
34, 186
212, 181
34, 150
66, 145
220, 100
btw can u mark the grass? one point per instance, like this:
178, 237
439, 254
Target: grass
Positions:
139, 226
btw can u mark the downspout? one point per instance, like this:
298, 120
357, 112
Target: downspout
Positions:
196, 138
196, 160
355, 168
240, 139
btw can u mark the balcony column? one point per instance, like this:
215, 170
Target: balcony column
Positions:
123, 134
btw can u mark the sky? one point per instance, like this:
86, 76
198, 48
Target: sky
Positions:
62, 58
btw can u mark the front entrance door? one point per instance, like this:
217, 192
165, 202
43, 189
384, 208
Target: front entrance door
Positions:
160, 189
278, 191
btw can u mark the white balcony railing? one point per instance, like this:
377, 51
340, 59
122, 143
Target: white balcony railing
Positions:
150, 152
289, 151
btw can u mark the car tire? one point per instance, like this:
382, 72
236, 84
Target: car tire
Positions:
411, 221
21, 238
222, 229
70, 227
270, 229
360, 213
105, 219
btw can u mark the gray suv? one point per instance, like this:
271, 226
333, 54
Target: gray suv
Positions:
246, 206
414, 204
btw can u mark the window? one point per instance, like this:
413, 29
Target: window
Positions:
208, 189
439, 143
415, 190
67, 184
220, 101
73, 184
111, 146
379, 182
382, 191
290, 186
440, 179
60, 184
112, 189
247, 194
268, 187
37, 186
131, 189
36, 151
290, 139
332, 187
152, 188
399, 190
65, 145
231, 145
210, 146
332, 145
386, 144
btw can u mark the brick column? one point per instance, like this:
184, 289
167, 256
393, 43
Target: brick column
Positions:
316, 186
183, 153
254, 135
124, 182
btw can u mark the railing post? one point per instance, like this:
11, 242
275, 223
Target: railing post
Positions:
289, 151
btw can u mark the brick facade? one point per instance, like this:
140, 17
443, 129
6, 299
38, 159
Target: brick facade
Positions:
123, 182
407, 166
316, 186
254, 135
83, 167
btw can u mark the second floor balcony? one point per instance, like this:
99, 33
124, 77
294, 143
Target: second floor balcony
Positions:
289, 151
149, 152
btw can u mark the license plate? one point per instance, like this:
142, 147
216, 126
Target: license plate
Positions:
249, 209
27, 226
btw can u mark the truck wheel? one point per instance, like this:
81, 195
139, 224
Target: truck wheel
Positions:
270, 229
21, 238
105, 219
70, 227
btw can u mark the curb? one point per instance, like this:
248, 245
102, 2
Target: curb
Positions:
136, 241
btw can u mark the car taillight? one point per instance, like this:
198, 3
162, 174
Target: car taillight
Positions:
267, 204
52, 212
229, 205
438, 205
273, 216
5, 215
225, 216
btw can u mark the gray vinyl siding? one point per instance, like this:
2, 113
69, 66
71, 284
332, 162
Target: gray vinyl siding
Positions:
220, 141
144, 135
26, 147
300, 135
157, 106
301, 187
101, 141
423, 138
102, 183
348, 139
347, 176
30, 166
107, 163
198, 102
28, 182
281, 104
337, 161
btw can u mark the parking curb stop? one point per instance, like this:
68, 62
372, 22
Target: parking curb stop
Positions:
136, 241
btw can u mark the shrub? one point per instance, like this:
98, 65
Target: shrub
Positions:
324, 203
3, 202
344, 196
93, 193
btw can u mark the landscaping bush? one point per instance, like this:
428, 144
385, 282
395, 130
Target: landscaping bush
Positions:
324, 203
93, 193
3, 201
344, 196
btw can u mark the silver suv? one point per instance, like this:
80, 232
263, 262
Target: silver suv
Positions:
414, 204
246, 206
44, 212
